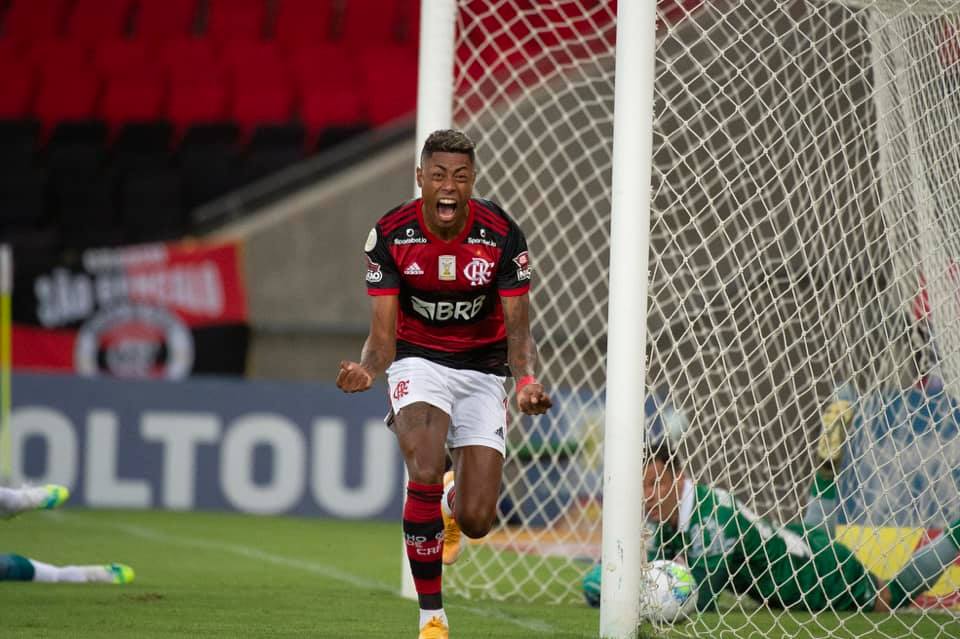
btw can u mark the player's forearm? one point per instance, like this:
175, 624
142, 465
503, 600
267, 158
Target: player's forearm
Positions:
377, 355
522, 356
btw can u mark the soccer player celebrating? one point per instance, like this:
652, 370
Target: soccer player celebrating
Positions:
449, 276
14, 501
796, 566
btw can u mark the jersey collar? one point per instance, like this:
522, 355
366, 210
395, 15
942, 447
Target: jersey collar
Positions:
456, 240
686, 505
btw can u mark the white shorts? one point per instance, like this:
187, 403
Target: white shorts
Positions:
476, 402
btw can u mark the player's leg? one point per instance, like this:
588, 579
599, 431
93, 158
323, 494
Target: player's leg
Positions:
20, 568
421, 406
822, 505
922, 571
476, 440
14, 501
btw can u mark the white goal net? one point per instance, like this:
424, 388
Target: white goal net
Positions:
804, 237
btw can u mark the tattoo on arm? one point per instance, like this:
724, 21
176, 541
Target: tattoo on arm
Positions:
381, 344
521, 349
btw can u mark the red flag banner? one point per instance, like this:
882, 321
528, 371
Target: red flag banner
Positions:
149, 311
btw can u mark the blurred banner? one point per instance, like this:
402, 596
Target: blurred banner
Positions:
255, 447
150, 311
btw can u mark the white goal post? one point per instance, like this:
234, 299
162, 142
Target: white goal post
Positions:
803, 247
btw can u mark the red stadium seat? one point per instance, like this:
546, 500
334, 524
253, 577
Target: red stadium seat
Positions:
304, 21
164, 19
18, 88
58, 56
11, 50
369, 21
94, 20
322, 65
410, 22
323, 108
119, 57
257, 57
132, 98
197, 100
189, 56
262, 100
67, 96
237, 19
390, 81
27, 19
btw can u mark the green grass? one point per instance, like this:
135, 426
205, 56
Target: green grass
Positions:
224, 575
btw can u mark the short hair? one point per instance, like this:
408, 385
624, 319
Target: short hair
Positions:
662, 451
448, 141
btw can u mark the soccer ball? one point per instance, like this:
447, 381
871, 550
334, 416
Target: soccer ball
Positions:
668, 592
591, 587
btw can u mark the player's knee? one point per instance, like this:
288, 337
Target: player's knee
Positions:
475, 522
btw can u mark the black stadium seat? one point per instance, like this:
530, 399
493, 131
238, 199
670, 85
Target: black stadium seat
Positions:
208, 162
142, 146
77, 149
18, 143
23, 203
272, 148
152, 206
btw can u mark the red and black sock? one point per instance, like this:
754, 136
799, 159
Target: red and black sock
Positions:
423, 536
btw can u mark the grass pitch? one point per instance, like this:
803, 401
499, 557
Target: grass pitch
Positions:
226, 575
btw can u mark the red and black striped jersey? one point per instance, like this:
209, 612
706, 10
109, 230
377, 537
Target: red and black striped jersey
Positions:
450, 309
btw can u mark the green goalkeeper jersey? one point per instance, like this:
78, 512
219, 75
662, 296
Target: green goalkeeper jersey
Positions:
728, 546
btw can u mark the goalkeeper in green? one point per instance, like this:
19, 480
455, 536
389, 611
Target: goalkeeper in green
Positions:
797, 566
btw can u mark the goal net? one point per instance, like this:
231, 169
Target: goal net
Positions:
805, 227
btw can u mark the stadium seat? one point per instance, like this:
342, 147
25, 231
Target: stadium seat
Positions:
132, 98
94, 20
236, 19
390, 82
84, 206
16, 98
262, 100
77, 149
410, 23
304, 21
18, 143
58, 56
253, 57
189, 56
11, 51
369, 21
31, 19
158, 20
208, 158
272, 148
324, 109
67, 96
142, 146
22, 198
322, 65
197, 100
151, 206
121, 56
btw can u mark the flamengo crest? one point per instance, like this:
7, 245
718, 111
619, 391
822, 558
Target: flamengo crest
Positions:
479, 271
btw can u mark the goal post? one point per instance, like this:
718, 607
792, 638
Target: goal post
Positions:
623, 550
804, 239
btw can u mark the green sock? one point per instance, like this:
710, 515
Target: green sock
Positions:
15, 568
954, 532
822, 505
925, 567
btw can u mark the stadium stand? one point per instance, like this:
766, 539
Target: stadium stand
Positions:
115, 105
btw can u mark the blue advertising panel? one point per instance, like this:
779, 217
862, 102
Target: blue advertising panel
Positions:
208, 444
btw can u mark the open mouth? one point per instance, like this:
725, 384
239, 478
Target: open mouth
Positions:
446, 209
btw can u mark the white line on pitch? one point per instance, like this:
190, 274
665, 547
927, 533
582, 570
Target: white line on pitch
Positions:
249, 552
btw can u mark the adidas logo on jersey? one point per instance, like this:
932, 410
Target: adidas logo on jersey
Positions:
413, 269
